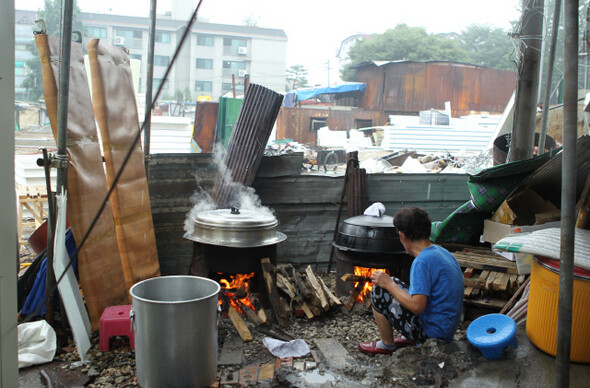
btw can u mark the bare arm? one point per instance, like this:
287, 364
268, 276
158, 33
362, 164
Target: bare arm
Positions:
415, 303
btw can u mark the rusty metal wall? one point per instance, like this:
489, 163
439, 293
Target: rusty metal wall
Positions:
306, 206
294, 123
409, 87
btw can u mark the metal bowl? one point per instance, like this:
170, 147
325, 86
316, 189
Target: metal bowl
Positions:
238, 228
369, 234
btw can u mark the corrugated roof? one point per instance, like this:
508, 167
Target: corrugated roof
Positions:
383, 63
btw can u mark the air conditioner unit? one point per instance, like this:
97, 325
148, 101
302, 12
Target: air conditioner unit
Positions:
119, 41
243, 50
242, 73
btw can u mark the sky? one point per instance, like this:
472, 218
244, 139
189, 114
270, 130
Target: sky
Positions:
315, 28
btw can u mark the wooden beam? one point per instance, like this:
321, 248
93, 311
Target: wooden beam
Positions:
239, 324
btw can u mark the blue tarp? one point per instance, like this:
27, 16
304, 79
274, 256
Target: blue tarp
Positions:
305, 94
36, 296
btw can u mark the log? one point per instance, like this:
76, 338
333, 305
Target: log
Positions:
349, 277
334, 300
308, 313
303, 290
250, 314
286, 286
353, 295
273, 295
285, 306
317, 288
239, 324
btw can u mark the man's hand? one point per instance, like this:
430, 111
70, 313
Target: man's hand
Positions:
381, 279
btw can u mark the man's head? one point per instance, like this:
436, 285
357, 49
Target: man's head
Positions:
413, 222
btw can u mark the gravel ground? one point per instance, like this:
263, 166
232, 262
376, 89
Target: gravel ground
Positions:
432, 364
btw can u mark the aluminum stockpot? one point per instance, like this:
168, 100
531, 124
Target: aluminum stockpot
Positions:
175, 323
237, 228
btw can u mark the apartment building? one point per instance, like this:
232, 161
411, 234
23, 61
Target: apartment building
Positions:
211, 55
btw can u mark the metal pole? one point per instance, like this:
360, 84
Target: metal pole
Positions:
568, 193
148, 86
62, 125
525, 108
550, 66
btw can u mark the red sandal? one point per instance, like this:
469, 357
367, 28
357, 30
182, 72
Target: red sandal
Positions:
371, 348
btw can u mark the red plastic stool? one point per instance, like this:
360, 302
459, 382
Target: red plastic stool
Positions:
115, 321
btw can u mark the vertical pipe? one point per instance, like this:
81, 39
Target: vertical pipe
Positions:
148, 85
525, 109
550, 66
568, 193
62, 125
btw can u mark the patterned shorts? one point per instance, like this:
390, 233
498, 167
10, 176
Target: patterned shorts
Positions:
404, 321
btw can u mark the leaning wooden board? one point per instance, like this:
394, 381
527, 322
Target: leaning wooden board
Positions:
113, 99
99, 262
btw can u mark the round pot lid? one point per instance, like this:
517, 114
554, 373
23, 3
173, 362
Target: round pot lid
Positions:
240, 228
370, 221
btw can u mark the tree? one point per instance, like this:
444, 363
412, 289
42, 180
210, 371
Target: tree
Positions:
51, 15
296, 77
251, 20
480, 45
487, 46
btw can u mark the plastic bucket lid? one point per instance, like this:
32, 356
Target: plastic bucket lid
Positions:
553, 266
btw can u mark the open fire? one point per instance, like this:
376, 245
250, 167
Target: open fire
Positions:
236, 289
365, 286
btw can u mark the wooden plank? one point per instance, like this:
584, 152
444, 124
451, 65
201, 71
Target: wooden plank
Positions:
231, 352
490, 280
467, 292
317, 288
267, 371
308, 313
483, 276
332, 298
334, 353
468, 273
239, 324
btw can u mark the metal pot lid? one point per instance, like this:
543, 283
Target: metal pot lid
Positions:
372, 222
235, 218
237, 228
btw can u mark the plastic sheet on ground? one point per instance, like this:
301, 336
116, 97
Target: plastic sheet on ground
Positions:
37, 343
282, 349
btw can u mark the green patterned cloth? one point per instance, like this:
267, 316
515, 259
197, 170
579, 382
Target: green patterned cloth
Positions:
488, 189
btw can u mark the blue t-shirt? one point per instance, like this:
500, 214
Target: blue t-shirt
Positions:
436, 274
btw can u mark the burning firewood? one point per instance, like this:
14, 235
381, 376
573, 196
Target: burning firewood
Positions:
353, 295
349, 277
235, 318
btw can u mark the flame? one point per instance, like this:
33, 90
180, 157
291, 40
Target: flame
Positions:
366, 272
237, 282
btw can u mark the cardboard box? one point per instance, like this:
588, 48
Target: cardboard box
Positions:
495, 231
521, 208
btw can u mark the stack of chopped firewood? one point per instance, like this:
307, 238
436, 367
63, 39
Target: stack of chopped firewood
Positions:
305, 293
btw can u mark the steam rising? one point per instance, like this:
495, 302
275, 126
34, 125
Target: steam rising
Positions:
244, 197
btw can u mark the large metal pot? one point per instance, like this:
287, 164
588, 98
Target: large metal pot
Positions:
238, 228
369, 234
175, 323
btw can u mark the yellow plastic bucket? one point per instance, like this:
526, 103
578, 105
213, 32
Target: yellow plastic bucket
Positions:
541, 326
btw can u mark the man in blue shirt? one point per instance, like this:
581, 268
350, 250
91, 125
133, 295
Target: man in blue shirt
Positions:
431, 306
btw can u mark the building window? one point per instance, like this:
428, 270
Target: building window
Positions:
128, 33
234, 68
156, 84
203, 86
203, 63
97, 32
232, 46
161, 60
162, 37
227, 86
204, 40
135, 56
316, 123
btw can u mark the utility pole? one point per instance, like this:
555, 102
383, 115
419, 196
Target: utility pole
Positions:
525, 108
328, 64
